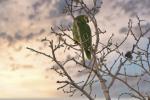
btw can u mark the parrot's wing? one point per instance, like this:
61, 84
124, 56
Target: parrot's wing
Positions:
75, 32
85, 38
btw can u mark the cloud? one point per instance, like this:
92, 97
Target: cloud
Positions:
9, 38
32, 13
31, 35
48, 8
144, 28
3, 2
39, 7
133, 7
57, 9
18, 36
123, 30
15, 66
136, 29
6, 36
39, 3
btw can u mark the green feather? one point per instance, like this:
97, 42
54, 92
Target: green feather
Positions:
85, 38
82, 34
75, 32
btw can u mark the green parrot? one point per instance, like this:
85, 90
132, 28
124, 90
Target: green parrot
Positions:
82, 34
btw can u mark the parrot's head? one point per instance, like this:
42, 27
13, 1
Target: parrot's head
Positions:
83, 18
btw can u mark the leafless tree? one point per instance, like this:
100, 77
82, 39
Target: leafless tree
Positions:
98, 69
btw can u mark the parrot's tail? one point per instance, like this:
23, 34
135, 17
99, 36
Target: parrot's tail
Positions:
88, 54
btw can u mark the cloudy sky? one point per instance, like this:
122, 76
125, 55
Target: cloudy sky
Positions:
25, 22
